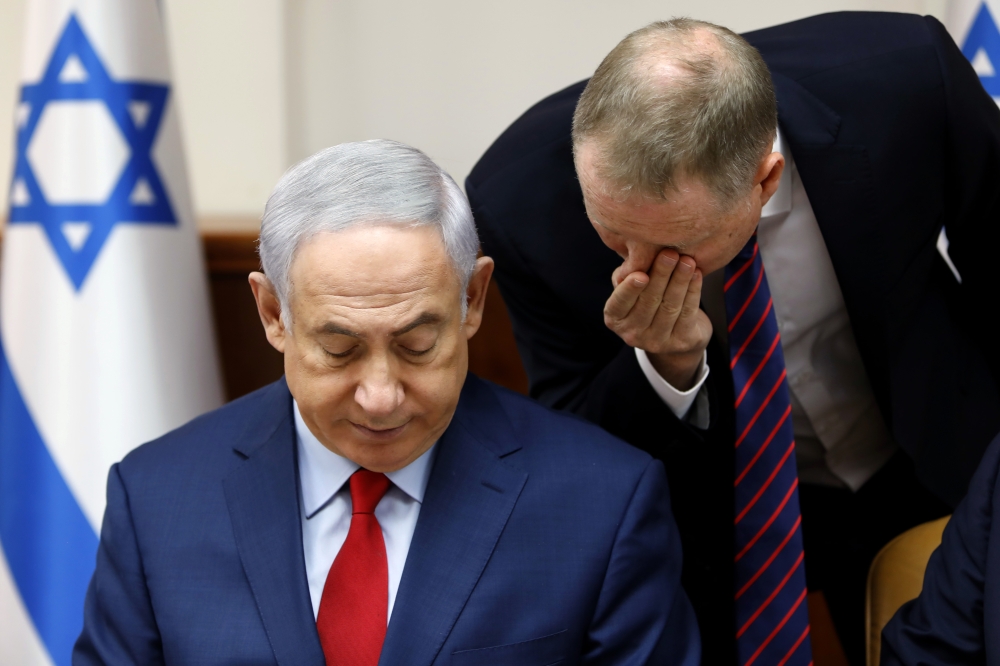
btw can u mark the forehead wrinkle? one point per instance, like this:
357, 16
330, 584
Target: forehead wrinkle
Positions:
640, 213
427, 317
374, 300
365, 320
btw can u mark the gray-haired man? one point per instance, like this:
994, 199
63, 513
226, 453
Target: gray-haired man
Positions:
831, 151
379, 505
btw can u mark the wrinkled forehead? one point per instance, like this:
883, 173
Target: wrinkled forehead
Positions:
379, 268
684, 218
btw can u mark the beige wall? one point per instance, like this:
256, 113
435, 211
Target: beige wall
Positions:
263, 83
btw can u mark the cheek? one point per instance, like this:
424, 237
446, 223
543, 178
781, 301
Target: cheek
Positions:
432, 388
314, 386
329, 397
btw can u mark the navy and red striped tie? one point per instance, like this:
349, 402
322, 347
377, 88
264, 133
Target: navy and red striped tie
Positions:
772, 619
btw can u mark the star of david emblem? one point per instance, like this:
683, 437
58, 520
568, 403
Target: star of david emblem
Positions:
982, 48
84, 163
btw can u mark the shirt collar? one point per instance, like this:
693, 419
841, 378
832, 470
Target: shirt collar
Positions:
781, 202
323, 473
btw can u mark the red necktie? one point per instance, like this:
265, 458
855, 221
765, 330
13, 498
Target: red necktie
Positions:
353, 612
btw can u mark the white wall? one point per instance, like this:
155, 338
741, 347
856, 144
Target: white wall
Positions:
11, 23
229, 67
264, 83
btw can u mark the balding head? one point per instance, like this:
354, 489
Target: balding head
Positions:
679, 98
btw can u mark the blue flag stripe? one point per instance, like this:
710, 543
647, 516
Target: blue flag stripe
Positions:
50, 547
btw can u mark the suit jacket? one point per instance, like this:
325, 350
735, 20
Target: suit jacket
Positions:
894, 138
954, 619
541, 540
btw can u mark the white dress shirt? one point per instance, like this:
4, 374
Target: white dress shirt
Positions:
326, 509
840, 436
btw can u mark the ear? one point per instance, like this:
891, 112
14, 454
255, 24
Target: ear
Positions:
269, 309
768, 175
476, 295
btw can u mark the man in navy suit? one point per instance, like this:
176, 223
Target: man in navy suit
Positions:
846, 144
379, 505
954, 619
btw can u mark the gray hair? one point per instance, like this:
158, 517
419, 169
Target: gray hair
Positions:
377, 182
679, 97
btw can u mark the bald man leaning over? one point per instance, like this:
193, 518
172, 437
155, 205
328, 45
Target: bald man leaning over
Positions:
379, 505
794, 185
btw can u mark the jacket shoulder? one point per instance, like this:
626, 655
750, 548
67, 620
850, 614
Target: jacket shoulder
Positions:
208, 440
565, 439
828, 41
547, 122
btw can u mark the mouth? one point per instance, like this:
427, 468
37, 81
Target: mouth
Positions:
379, 434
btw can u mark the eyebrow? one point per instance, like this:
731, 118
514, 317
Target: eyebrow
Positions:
425, 318
333, 329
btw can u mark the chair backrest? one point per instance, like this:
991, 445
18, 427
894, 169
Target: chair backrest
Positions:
897, 576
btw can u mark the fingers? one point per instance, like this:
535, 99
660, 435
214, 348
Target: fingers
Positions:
617, 275
674, 297
624, 297
692, 299
659, 312
660, 276
644, 309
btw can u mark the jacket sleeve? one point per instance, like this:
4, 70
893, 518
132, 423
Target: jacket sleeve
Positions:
118, 623
972, 197
643, 615
944, 625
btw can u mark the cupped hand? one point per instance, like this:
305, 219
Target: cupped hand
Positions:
658, 312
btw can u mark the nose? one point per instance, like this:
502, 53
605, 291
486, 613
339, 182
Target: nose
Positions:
379, 392
638, 258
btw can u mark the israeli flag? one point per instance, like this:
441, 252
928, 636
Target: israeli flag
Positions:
105, 333
973, 25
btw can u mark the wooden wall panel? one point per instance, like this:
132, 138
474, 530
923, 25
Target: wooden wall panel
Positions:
249, 361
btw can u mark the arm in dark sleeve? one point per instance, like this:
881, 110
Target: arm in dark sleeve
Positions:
643, 615
118, 622
972, 201
944, 625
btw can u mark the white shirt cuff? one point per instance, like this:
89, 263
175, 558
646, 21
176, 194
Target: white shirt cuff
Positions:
679, 402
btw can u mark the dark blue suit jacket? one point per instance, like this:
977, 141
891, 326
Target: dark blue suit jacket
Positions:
956, 619
541, 540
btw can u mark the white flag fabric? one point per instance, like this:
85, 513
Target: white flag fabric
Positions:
105, 332
973, 26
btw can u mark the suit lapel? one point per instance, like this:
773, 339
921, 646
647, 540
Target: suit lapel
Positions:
841, 186
263, 501
470, 496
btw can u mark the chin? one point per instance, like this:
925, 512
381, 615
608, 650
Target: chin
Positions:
384, 458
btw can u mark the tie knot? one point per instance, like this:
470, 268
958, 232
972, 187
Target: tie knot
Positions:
367, 489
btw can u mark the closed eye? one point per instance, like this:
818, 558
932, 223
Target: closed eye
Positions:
417, 352
343, 354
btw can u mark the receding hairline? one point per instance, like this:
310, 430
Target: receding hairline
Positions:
701, 75
702, 40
